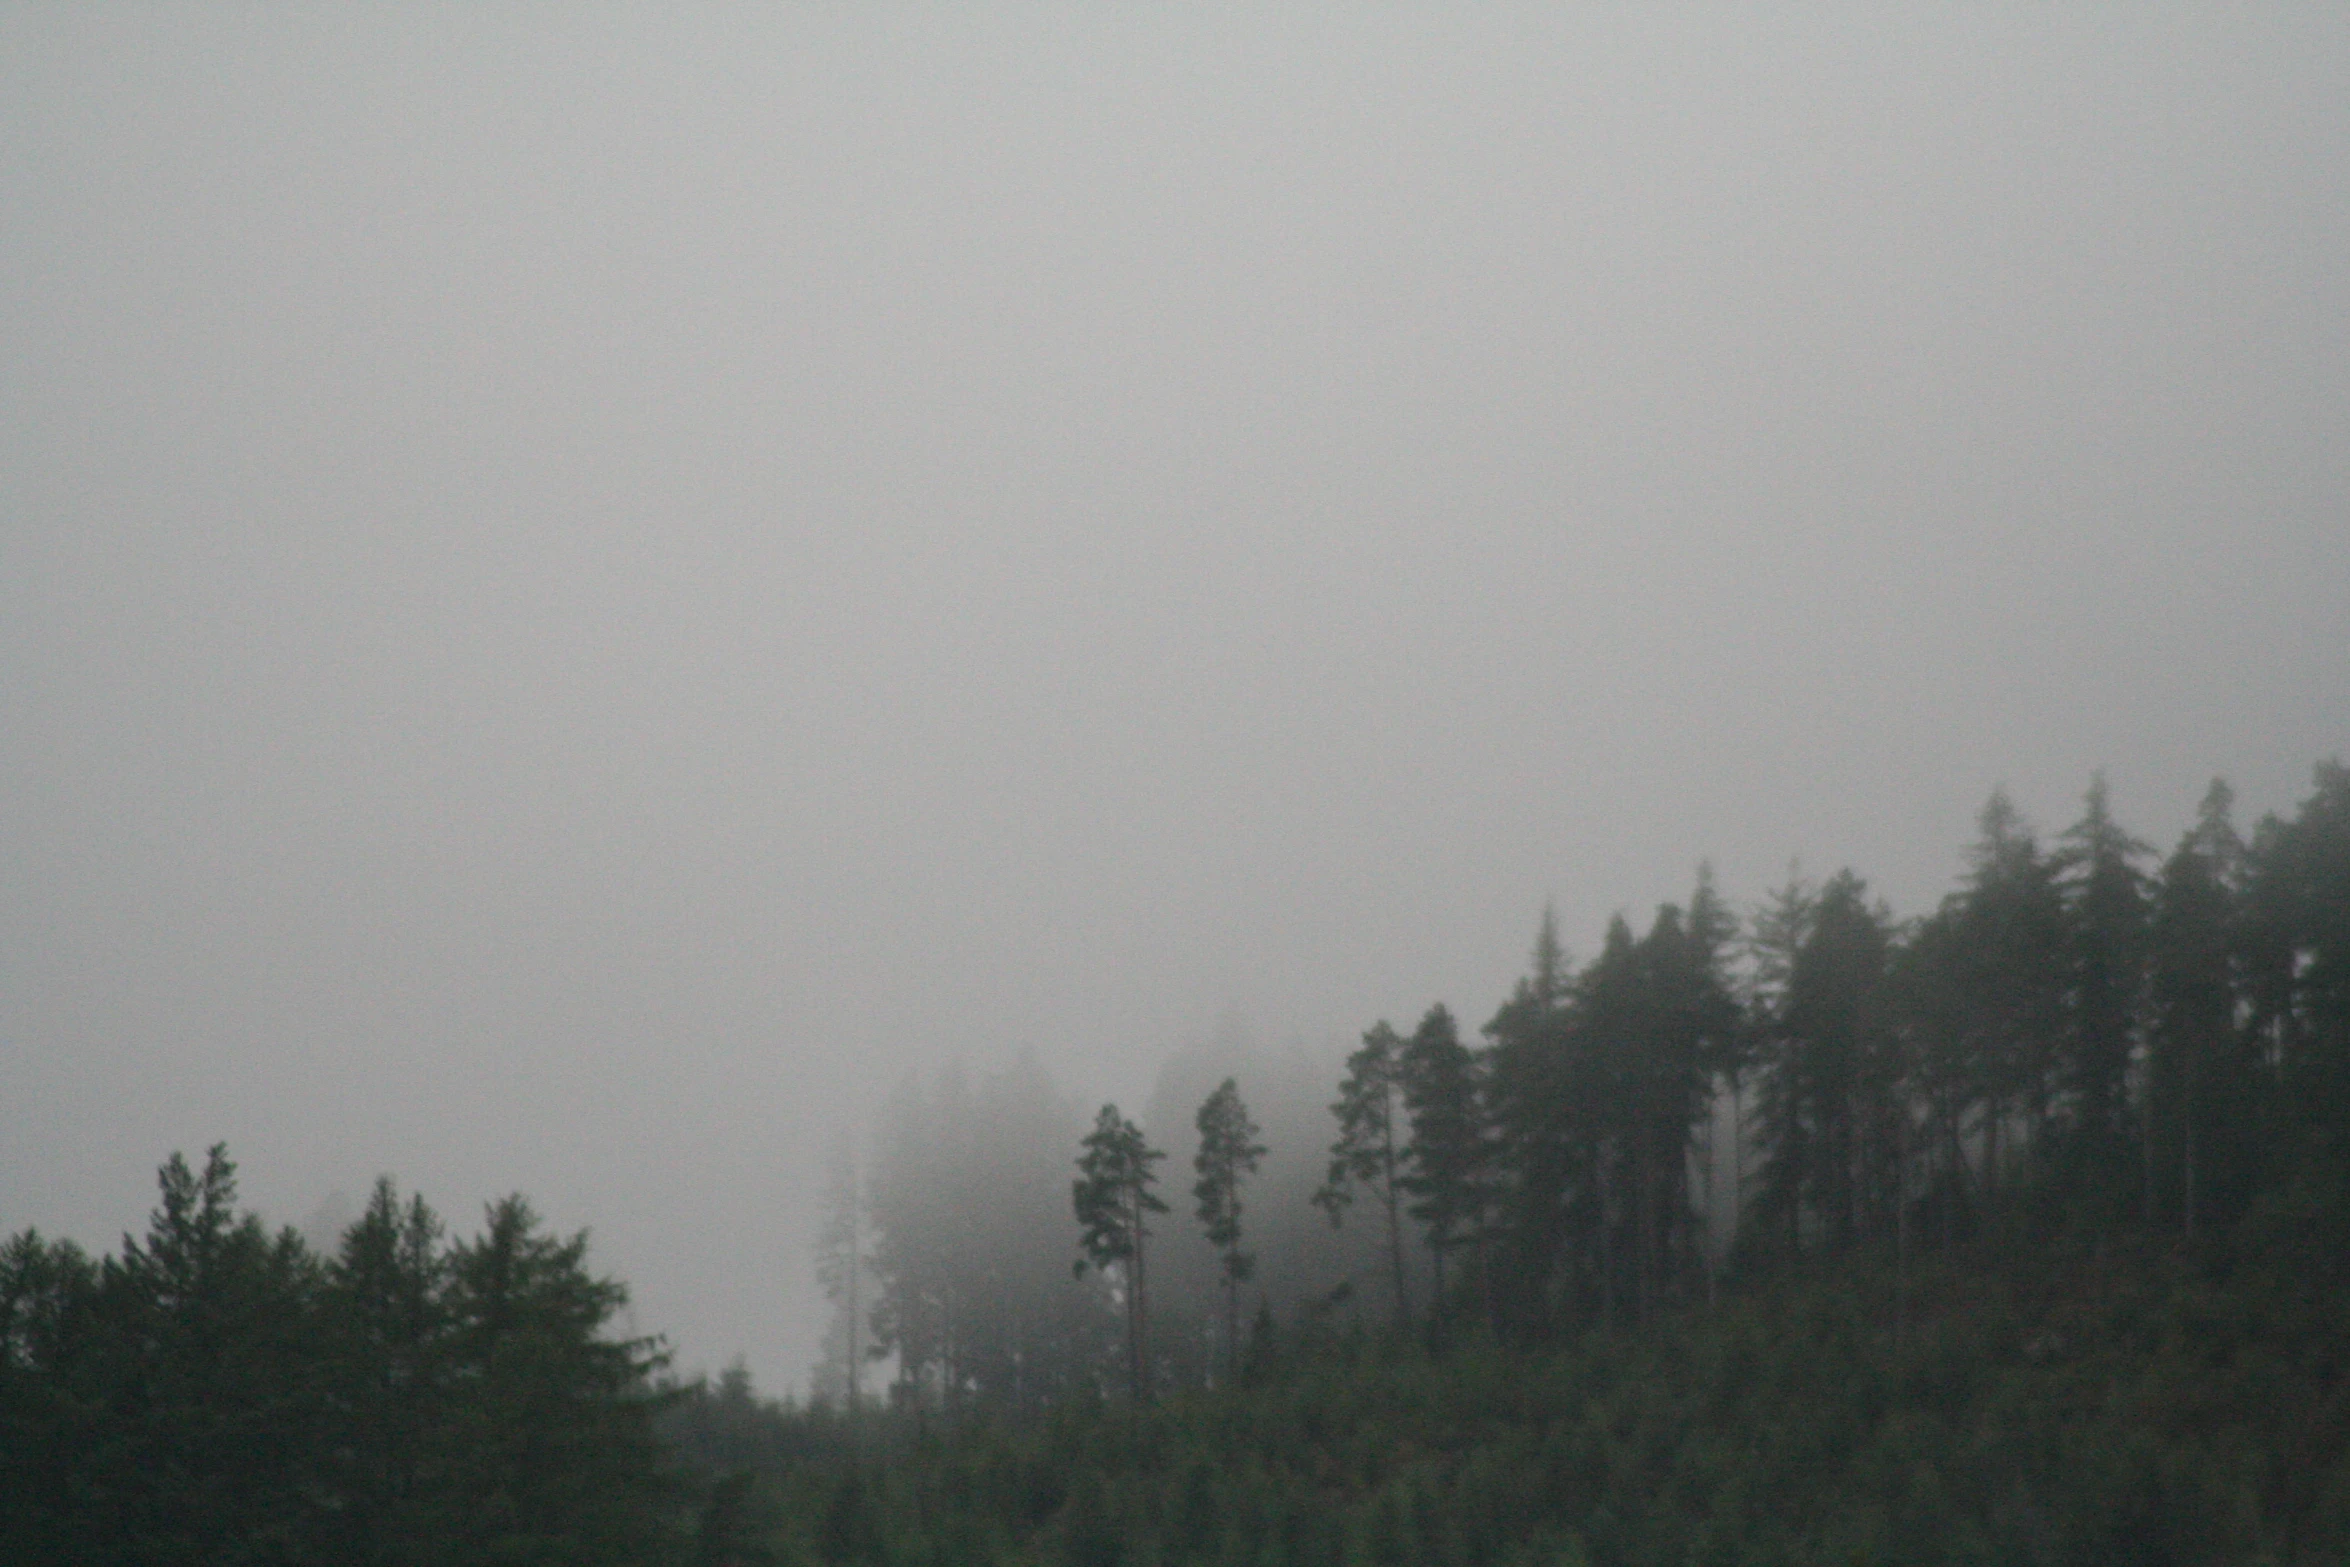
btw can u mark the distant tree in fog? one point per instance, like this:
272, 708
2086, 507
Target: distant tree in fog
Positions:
841, 1263
1228, 1153
1113, 1198
1448, 1153
1369, 1151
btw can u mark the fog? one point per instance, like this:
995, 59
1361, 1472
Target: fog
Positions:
583, 592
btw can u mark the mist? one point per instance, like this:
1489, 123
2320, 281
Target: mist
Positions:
584, 595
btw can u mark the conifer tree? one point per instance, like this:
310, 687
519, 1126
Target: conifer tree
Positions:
2193, 987
386, 1313
1538, 1119
2011, 941
1818, 1102
1774, 936
1370, 1146
1113, 1199
1448, 1152
1228, 1154
841, 1265
2105, 914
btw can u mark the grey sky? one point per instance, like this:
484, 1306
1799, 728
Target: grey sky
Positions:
578, 593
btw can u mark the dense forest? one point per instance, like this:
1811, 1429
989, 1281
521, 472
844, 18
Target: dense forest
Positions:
2015, 1232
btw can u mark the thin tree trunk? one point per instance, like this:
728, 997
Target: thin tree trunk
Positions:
856, 1266
1403, 1303
1232, 1326
1137, 1310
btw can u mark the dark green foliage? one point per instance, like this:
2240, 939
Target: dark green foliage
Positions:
216, 1394
2047, 1257
1449, 1154
1833, 1080
1228, 1153
1113, 1199
1370, 1149
2071, 1404
2106, 915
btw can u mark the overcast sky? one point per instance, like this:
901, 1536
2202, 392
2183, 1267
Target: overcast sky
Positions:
582, 589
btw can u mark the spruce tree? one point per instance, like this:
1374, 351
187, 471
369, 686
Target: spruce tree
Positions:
2105, 916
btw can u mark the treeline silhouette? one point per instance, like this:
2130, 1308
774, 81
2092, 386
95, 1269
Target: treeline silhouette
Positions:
2146, 1042
216, 1393
2015, 1232
2018, 1232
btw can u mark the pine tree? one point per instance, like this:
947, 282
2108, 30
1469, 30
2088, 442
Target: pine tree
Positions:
1113, 1199
1228, 1154
1448, 1152
1370, 1145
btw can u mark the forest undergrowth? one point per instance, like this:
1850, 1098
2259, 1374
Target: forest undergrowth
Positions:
2023, 1398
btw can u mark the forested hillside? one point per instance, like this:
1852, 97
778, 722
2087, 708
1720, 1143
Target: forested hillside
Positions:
2011, 1232
2018, 1232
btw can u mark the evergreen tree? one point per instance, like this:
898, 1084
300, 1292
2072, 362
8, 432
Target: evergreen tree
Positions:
2297, 895
1370, 1145
1448, 1152
2012, 949
48, 1291
1774, 937
1931, 1012
213, 1403
386, 1309
556, 1456
841, 1266
2194, 1073
1113, 1199
2104, 898
1818, 1105
1228, 1154
1705, 996
1539, 1120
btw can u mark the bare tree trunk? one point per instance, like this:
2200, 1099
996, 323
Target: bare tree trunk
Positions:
1137, 1309
1403, 1301
856, 1266
1231, 1327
